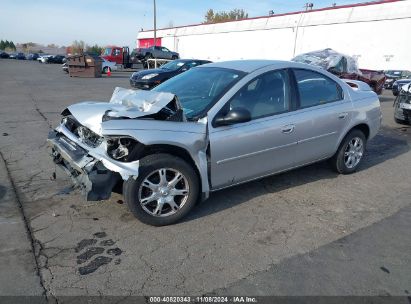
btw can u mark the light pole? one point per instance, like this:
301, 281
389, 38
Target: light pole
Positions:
155, 24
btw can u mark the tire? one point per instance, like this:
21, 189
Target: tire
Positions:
105, 70
147, 185
174, 57
340, 161
148, 56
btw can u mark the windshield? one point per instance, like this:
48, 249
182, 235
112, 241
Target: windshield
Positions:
199, 88
107, 52
173, 65
395, 73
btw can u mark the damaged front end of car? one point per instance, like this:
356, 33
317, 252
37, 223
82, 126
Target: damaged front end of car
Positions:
97, 161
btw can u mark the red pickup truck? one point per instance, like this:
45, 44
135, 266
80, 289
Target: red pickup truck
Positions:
121, 56
343, 66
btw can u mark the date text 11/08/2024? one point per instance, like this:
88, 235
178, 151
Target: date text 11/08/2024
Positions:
203, 299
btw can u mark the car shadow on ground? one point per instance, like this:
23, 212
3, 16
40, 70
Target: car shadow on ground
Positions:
384, 146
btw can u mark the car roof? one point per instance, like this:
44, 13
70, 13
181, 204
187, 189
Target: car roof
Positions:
188, 60
249, 66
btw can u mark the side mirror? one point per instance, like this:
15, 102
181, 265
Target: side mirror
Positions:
234, 116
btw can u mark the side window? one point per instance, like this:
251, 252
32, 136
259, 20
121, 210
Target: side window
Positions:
265, 95
190, 65
165, 49
316, 89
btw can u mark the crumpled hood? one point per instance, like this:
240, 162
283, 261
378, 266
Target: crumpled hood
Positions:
124, 103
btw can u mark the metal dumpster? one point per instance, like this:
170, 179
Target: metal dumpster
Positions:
84, 65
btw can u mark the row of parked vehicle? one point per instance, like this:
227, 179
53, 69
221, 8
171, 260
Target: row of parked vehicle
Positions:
341, 65
396, 79
43, 58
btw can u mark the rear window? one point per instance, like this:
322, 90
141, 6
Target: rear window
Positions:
315, 88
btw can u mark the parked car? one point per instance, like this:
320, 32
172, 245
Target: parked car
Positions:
393, 75
159, 52
402, 105
106, 65
44, 58
147, 79
213, 127
64, 67
56, 59
32, 56
398, 84
21, 56
13, 56
344, 67
4, 55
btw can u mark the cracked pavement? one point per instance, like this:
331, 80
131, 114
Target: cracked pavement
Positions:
237, 233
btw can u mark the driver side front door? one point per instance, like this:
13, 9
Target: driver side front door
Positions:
259, 147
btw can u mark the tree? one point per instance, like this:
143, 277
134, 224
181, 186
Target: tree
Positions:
2, 45
12, 46
96, 49
77, 47
235, 14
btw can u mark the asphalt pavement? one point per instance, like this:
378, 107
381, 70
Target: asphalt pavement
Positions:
306, 232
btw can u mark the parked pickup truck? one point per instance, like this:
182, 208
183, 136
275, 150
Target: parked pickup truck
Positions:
343, 66
159, 52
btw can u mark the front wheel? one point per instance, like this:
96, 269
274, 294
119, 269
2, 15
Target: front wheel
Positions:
350, 153
165, 190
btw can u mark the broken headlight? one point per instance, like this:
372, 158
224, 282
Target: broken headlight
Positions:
120, 148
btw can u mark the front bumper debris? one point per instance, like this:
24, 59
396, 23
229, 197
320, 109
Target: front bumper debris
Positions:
86, 172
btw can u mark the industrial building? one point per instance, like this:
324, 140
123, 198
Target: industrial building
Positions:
376, 33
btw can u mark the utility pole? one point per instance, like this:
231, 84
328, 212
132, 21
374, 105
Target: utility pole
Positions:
155, 24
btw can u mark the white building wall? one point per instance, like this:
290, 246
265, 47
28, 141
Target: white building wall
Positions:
375, 34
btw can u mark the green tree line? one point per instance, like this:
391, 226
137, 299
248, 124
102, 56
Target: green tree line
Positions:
214, 17
7, 45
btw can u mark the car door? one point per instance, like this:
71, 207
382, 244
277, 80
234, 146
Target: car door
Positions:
261, 146
156, 51
165, 53
322, 115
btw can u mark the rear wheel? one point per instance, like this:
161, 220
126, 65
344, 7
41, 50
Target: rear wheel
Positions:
350, 153
166, 189
174, 57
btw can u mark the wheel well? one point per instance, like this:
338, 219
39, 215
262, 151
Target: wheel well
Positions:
176, 151
364, 128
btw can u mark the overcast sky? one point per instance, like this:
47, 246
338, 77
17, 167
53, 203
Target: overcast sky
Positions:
118, 21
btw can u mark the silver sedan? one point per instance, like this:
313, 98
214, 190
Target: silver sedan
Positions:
215, 126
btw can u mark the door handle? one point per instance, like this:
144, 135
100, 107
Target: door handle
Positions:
288, 129
342, 115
